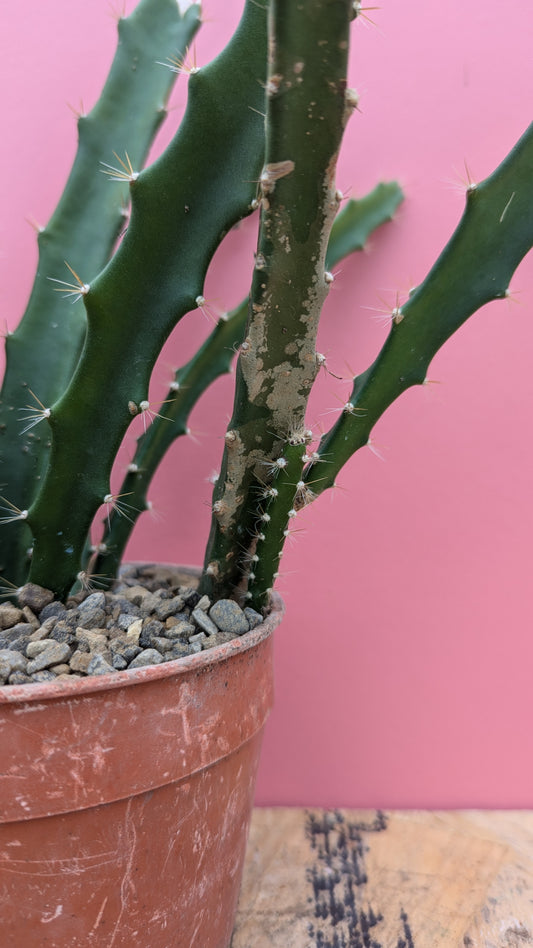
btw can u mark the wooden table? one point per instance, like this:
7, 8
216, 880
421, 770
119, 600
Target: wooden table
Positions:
400, 879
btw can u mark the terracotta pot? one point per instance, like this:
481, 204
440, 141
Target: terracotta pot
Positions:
125, 800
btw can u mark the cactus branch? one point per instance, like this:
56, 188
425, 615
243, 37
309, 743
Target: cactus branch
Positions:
182, 206
82, 230
475, 267
307, 108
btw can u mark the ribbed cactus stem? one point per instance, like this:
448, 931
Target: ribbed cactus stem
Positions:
182, 206
475, 267
42, 352
308, 105
279, 501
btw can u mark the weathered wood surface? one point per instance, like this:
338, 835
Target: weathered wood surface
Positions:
402, 879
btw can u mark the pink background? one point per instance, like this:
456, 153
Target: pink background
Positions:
405, 663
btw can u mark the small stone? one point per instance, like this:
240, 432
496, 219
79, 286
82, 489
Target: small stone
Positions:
95, 640
35, 597
168, 607
150, 628
203, 603
219, 638
161, 643
126, 619
229, 617
33, 649
9, 615
204, 622
19, 678
61, 631
149, 656
182, 630
126, 649
149, 604
190, 596
254, 618
99, 666
135, 594
178, 650
198, 639
53, 654
43, 676
119, 663
92, 618
61, 669
52, 609
44, 630
95, 601
18, 637
79, 661
10, 662
134, 632
69, 620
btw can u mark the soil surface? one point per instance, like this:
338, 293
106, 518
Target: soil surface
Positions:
153, 614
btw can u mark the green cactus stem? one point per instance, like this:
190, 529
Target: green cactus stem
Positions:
182, 206
279, 500
350, 232
307, 108
359, 218
475, 267
42, 352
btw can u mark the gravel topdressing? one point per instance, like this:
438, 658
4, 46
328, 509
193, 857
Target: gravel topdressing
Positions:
152, 615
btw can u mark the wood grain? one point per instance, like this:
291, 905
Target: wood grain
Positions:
402, 879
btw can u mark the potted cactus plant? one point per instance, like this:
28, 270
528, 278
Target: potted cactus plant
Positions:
141, 738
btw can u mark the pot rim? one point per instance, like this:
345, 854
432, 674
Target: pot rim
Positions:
52, 690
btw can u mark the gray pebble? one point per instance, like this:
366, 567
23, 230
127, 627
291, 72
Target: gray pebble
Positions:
43, 676
161, 643
178, 650
19, 678
182, 630
10, 662
198, 639
99, 666
127, 650
168, 607
148, 656
126, 619
95, 601
149, 604
119, 663
53, 654
52, 609
204, 622
254, 618
229, 617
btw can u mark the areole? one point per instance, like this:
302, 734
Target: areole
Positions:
126, 800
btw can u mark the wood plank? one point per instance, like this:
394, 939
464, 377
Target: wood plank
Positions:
401, 879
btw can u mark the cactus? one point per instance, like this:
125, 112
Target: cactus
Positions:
223, 163
79, 238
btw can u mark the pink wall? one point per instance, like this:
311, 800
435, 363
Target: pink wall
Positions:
404, 666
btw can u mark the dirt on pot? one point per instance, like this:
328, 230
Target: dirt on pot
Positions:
153, 614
